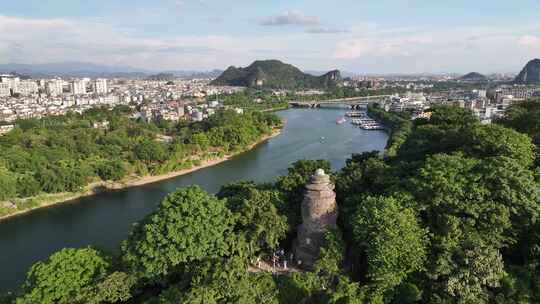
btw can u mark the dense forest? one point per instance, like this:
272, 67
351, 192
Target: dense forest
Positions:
451, 216
66, 153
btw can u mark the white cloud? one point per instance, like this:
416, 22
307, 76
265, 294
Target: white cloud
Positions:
353, 48
485, 49
529, 41
56, 40
360, 47
12, 23
291, 18
327, 30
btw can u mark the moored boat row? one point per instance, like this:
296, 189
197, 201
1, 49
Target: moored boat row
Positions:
362, 120
356, 114
367, 124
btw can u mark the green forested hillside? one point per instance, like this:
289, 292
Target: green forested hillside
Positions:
277, 75
530, 74
65, 153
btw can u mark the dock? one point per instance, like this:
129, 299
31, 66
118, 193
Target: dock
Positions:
356, 114
364, 121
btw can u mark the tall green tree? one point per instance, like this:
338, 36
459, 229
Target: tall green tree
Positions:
392, 241
188, 226
66, 277
150, 151
257, 215
8, 184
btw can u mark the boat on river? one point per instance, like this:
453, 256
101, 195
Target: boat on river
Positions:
356, 114
341, 120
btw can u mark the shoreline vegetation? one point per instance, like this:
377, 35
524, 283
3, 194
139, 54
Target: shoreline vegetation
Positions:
46, 200
62, 158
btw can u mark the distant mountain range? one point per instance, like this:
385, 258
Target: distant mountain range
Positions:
269, 73
474, 77
277, 75
161, 77
85, 69
530, 73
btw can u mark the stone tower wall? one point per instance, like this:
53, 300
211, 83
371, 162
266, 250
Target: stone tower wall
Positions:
319, 214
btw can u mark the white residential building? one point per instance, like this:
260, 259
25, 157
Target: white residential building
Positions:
78, 87
11, 81
4, 89
100, 86
26, 87
55, 87
109, 99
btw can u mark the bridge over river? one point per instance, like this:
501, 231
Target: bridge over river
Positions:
352, 103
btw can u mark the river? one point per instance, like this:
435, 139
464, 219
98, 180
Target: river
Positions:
104, 220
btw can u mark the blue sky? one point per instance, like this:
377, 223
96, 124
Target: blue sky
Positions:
363, 36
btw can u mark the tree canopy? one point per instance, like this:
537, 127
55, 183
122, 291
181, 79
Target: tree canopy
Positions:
188, 226
66, 277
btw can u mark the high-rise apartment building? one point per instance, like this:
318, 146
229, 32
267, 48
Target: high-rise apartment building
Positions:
11, 81
100, 86
78, 87
26, 87
55, 87
4, 89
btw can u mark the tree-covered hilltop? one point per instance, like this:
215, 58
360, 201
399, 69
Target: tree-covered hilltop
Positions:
473, 77
530, 74
66, 153
451, 217
276, 75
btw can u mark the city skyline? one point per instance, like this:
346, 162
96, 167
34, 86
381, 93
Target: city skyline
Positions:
367, 37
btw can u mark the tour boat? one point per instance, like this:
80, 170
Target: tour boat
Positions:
341, 120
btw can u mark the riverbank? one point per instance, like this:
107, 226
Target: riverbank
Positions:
277, 109
48, 200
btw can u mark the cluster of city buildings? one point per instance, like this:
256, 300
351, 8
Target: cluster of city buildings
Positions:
175, 100
11, 85
486, 104
178, 110
29, 98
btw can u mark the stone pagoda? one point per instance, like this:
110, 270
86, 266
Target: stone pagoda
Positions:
319, 214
